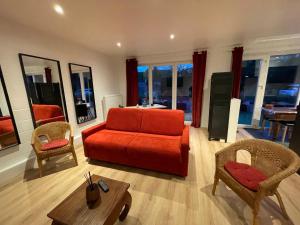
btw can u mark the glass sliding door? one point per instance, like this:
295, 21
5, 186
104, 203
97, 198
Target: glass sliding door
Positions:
168, 85
143, 74
162, 85
248, 89
283, 80
184, 89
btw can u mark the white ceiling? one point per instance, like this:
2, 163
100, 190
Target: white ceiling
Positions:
143, 26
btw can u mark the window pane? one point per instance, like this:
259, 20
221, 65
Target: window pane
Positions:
283, 81
248, 87
162, 85
143, 72
184, 89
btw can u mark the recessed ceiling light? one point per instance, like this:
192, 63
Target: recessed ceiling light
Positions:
172, 36
119, 44
58, 9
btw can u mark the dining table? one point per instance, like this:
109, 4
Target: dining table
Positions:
277, 115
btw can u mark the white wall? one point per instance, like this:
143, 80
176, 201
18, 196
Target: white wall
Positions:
120, 70
218, 60
3, 102
16, 39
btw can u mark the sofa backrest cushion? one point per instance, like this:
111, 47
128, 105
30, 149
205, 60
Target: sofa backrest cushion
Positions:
124, 119
42, 112
6, 125
162, 121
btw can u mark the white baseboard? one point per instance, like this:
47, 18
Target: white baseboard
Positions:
15, 173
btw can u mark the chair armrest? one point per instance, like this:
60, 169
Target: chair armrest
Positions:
185, 138
53, 119
271, 183
71, 136
36, 143
227, 154
87, 132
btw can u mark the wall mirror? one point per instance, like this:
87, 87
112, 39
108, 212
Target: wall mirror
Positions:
83, 92
8, 131
44, 86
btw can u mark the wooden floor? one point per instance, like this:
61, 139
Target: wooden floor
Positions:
157, 198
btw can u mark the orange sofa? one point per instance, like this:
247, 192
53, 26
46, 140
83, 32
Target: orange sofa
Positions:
47, 113
152, 139
7, 132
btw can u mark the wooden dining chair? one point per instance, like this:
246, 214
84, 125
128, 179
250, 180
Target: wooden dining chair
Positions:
50, 140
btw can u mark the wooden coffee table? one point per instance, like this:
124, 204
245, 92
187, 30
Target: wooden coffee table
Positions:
113, 205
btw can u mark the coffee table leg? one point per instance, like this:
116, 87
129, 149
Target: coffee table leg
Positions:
127, 202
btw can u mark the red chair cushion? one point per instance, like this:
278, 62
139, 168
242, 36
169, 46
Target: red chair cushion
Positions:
55, 144
162, 121
124, 119
245, 174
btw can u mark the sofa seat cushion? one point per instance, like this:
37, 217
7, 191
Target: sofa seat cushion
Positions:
157, 149
109, 145
245, 174
58, 143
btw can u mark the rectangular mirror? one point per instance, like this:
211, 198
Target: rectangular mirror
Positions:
83, 92
44, 86
8, 131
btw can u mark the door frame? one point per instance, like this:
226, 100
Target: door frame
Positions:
260, 89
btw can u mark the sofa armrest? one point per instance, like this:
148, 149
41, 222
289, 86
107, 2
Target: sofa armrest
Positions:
185, 138
87, 132
185, 147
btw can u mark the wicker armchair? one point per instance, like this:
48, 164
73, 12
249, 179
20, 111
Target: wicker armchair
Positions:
274, 160
52, 131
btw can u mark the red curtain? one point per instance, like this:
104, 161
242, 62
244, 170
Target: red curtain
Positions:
236, 69
132, 82
199, 65
48, 75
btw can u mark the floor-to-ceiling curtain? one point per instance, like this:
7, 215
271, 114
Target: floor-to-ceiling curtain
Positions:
199, 65
236, 69
132, 82
48, 75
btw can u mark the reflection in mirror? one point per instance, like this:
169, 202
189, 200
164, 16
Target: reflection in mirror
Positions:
44, 88
83, 92
8, 131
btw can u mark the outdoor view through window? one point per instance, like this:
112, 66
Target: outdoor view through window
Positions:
164, 91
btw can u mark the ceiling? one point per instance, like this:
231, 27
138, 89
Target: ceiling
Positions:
143, 26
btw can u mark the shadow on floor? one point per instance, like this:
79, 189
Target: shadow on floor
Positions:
51, 166
228, 203
144, 181
135, 170
191, 171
